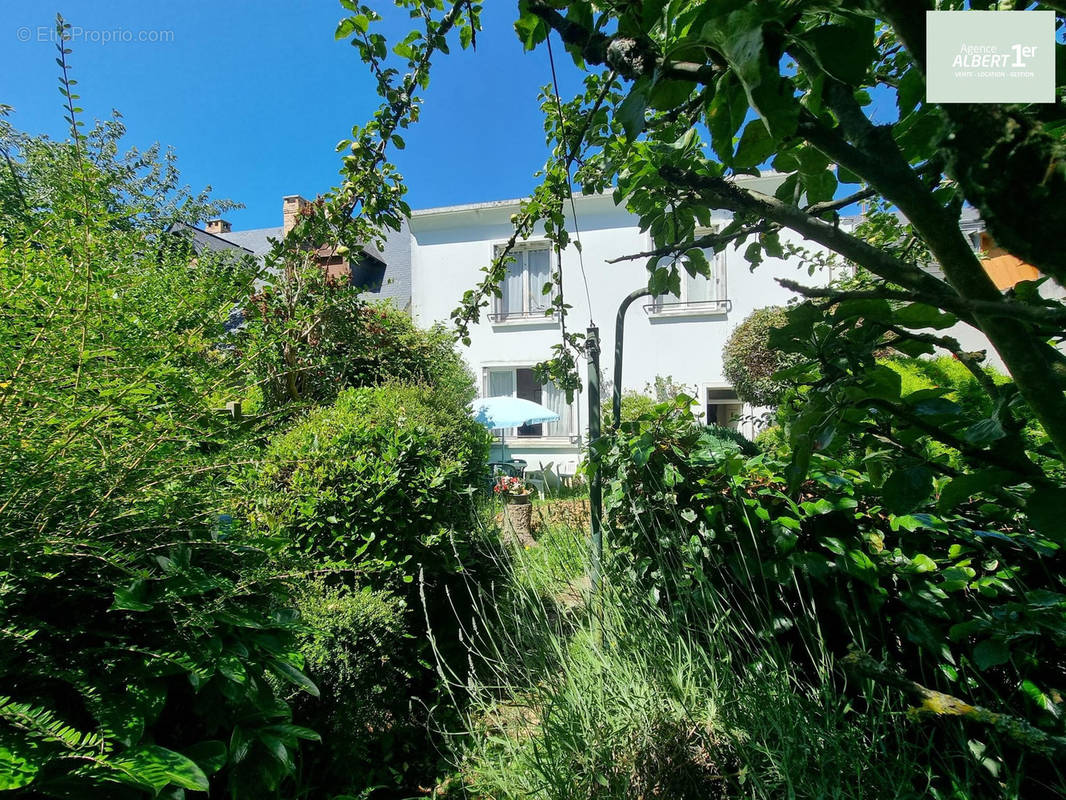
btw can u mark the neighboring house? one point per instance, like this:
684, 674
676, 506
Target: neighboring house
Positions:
1005, 270
427, 266
382, 274
205, 240
667, 336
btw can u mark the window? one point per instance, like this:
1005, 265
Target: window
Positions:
522, 289
724, 408
519, 382
705, 293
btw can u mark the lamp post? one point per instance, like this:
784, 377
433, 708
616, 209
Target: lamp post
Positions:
619, 340
592, 353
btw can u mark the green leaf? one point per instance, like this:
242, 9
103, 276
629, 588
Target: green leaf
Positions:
936, 407
725, 115
845, 51
668, 93
344, 29
911, 91
531, 30
786, 161
159, 767
881, 382
210, 755
984, 432
631, 112
1045, 509
906, 489
696, 262
991, 653
756, 145
292, 732
966, 486
820, 187
1042, 701
866, 308
132, 598
295, 676
15, 771
923, 563
920, 315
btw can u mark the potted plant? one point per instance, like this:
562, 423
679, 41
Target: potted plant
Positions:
517, 508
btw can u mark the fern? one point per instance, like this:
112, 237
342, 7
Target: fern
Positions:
42, 724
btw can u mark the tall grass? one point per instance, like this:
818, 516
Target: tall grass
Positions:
573, 695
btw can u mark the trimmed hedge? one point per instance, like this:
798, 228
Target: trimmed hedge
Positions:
748, 361
374, 480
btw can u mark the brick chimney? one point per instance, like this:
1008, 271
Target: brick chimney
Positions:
217, 226
291, 206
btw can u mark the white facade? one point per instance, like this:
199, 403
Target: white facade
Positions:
679, 339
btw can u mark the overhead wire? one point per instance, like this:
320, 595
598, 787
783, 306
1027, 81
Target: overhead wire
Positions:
569, 185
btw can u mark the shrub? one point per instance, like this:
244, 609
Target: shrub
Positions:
962, 600
143, 645
375, 479
749, 362
356, 648
314, 336
950, 374
377, 486
664, 389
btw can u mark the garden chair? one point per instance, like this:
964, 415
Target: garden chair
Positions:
544, 479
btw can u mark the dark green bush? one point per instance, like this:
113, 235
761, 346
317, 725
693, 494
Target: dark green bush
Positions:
143, 643
376, 486
749, 362
357, 650
311, 337
961, 599
376, 480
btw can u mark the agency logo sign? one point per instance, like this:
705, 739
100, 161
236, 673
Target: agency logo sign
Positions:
990, 56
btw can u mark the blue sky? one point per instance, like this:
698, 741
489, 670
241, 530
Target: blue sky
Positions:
253, 96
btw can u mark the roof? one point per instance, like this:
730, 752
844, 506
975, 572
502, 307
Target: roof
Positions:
202, 240
969, 219
768, 178
255, 240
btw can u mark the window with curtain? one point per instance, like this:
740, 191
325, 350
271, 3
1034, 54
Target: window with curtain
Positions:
700, 289
520, 382
522, 289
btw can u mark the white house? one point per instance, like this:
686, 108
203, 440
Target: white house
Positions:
427, 268
677, 337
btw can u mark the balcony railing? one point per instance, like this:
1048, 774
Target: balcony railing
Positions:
512, 316
695, 306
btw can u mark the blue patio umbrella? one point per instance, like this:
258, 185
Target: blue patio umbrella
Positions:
510, 412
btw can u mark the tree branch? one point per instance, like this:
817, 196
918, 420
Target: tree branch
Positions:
1048, 319
873, 154
631, 58
818, 209
1012, 461
721, 193
1007, 164
940, 704
711, 240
